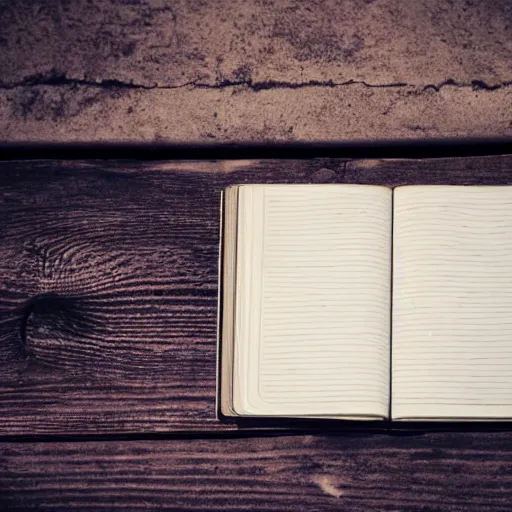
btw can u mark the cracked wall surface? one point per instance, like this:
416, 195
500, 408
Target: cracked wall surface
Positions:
253, 71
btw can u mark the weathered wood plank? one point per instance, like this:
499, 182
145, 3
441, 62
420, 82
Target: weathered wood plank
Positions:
253, 71
449, 472
108, 283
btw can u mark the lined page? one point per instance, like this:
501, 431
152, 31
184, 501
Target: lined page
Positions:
452, 305
320, 277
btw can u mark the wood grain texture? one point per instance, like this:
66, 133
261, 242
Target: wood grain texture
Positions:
108, 283
436, 472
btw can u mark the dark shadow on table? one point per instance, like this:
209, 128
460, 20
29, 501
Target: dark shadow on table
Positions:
410, 148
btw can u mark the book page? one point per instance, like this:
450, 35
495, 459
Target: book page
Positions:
452, 303
226, 305
312, 323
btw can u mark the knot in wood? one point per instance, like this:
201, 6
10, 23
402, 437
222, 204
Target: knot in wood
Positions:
49, 323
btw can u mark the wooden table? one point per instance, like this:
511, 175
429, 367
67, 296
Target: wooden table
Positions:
108, 312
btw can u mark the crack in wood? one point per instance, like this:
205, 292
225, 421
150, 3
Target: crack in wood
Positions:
54, 79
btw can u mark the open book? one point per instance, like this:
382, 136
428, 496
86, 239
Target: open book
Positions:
363, 302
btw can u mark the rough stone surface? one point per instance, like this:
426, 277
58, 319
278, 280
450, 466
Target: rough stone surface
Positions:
254, 70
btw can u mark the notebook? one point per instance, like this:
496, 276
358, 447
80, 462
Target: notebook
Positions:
367, 303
